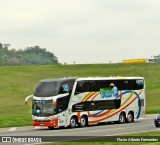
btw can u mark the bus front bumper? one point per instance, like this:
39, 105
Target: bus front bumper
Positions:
51, 123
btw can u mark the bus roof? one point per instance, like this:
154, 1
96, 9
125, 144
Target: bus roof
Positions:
56, 80
88, 78
109, 78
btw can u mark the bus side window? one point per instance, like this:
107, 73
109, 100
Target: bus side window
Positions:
137, 84
79, 87
93, 86
66, 87
126, 85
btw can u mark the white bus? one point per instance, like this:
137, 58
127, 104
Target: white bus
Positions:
85, 101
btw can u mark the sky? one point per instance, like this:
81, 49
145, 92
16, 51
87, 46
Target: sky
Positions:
83, 31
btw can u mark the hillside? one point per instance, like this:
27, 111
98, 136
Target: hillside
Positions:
17, 82
29, 56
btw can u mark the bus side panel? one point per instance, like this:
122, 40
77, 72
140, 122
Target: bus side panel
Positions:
130, 101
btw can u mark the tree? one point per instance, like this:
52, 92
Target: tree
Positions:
29, 56
1, 46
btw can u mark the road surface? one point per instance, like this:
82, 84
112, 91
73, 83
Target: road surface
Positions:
66, 134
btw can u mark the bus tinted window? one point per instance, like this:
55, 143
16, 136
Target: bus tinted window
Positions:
96, 105
96, 85
80, 87
126, 85
137, 84
93, 85
62, 103
87, 86
66, 86
46, 89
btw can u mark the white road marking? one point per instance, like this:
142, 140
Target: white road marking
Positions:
12, 129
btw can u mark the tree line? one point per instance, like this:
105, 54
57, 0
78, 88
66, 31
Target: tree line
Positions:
29, 56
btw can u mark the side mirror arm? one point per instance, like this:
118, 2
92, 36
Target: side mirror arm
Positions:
27, 98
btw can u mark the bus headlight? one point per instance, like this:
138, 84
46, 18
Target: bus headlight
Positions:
156, 117
52, 117
33, 117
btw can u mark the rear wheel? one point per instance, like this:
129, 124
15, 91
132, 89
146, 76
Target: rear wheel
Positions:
156, 125
122, 118
130, 117
83, 121
73, 122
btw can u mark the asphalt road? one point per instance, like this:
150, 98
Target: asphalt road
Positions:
66, 134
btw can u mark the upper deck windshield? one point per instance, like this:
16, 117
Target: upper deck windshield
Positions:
47, 89
53, 87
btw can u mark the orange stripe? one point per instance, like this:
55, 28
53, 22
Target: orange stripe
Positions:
79, 116
115, 112
91, 96
95, 96
86, 96
99, 115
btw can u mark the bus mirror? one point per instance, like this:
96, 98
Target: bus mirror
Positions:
26, 100
26, 103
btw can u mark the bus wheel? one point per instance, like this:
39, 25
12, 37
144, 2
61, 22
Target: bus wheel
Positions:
156, 125
49, 127
130, 117
73, 122
83, 121
122, 118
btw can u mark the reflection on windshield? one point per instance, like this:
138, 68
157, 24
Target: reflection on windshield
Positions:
47, 89
43, 108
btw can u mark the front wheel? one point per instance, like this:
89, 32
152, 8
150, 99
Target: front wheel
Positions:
122, 118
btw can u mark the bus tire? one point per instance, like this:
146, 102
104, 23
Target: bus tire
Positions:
156, 125
83, 121
122, 118
73, 122
50, 127
130, 117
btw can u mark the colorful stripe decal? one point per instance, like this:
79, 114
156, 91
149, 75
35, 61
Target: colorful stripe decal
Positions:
88, 96
95, 121
106, 112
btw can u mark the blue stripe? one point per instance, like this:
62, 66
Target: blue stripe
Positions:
139, 110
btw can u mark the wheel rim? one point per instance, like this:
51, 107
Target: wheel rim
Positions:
73, 122
121, 119
83, 121
130, 118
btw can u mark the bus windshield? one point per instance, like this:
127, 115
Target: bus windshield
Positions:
43, 108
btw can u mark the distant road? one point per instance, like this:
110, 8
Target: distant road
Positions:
142, 125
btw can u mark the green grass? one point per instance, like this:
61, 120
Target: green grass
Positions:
17, 82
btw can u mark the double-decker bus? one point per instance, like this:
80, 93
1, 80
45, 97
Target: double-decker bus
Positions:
85, 101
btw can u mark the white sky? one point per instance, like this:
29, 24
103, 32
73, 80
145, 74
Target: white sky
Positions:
84, 31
